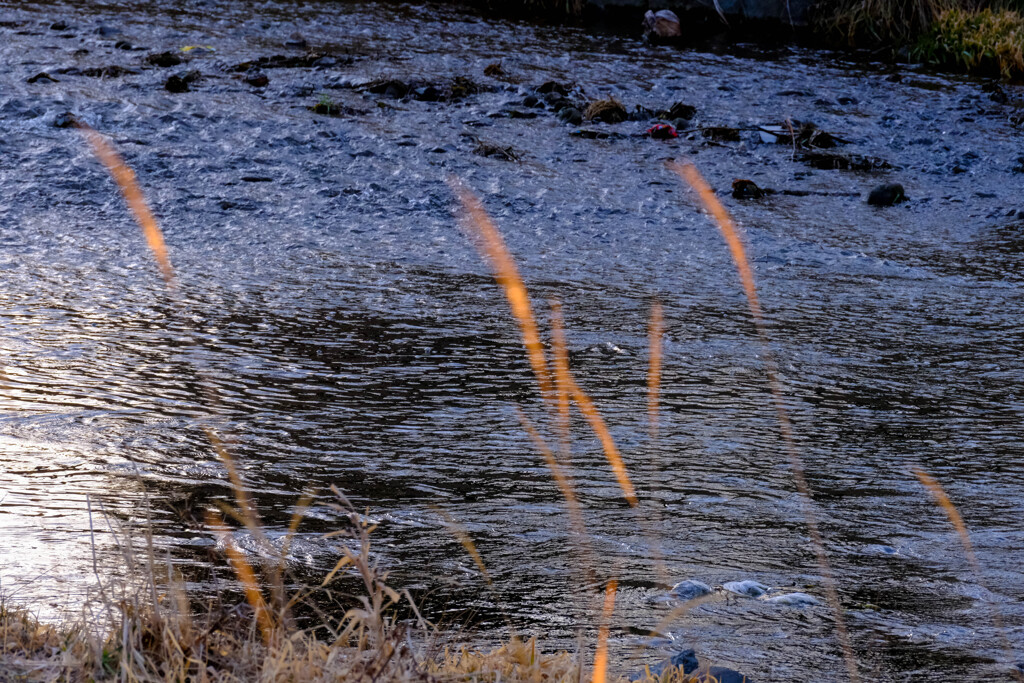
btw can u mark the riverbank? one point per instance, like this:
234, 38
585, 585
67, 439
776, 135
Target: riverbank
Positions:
984, 38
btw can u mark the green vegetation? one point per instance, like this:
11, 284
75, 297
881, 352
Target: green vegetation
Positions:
982, 42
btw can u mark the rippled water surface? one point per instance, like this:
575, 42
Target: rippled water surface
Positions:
354, 337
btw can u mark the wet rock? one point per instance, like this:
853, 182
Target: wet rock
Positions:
325, 62
793, 600
65, 120
554, 86
690, 665
388, 87
746, 189
511, 113
108, 31
257, 79
609, 110
995, 93
493, 70
662, 24
679, 110
826, 161
306, 61
164, 59
746, 589
326, 107
179, 83
427, 93
690, 589
124, 45
721, 133
887, 195
555, 100
41, 76
570, 115
590, 134
487, 149
59, 25
112, 71
846, 101
296, 41
462, 86
531, 101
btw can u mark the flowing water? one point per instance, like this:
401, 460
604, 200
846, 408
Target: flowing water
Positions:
351, 335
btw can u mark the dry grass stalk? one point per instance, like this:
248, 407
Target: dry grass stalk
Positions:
463, 537
492, 247
655, 330
943, 501
125, 179
601, 655
561, 362
691, 176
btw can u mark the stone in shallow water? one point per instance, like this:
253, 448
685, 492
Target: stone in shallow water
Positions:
793, 599
747, 589
690, 589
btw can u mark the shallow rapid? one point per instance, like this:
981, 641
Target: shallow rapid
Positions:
352, 335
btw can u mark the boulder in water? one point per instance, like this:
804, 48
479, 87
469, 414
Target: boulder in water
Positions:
689, 590
746, 589
663, 24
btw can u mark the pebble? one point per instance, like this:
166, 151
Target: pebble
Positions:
689, 589
793, 599
887, 195
570, 115
746, 589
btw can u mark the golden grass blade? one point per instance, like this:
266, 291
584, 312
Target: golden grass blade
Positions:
655, 330
561, 363
492, 247
246, 506
943, 501
691, 176
246, 576
562, 479
125, 179
611, 451
601, 655
463, 537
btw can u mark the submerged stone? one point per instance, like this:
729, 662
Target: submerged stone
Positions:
746, 589
690, 589
887, 195
794, 599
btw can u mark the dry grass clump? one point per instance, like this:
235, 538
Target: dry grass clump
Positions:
608, 110
986, 41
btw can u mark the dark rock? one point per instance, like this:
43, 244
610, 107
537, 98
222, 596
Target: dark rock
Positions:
427, 93
112, 71
325, 62
59, 25
590, 134
494, 69
531, 101
107, 31
164, 59
887, 195
462, 86
257, 80
296, 41
746, 189
305, 61
42, 76
721, 133
180, 82
679, 110
486, 149
847, 100
995, 93
256, 179
662, 24
827, 161
570, 115
553, 86
516, 114
123, 45
555, 99
327, 108
388, 87
65, 120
